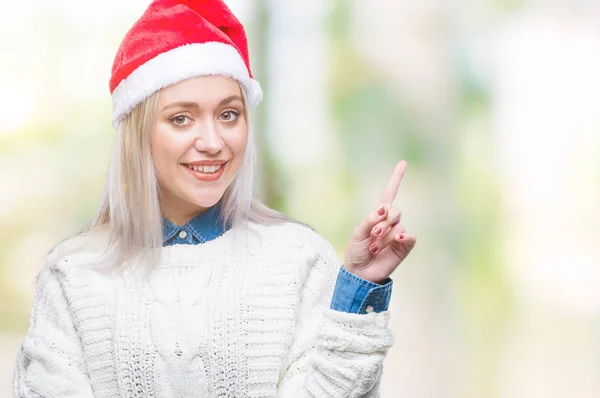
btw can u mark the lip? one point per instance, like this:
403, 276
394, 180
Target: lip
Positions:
206, 176
206, 162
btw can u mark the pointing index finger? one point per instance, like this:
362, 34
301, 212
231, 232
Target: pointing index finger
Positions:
391, 190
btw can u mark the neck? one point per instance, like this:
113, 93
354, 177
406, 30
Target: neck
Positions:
181, 218
180, 212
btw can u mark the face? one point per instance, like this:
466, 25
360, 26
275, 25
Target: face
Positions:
198, 141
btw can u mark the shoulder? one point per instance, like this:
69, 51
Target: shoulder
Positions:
299, 247
292, 236
288, 233
68, 268
77, 251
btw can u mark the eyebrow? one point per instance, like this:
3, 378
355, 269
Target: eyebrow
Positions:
193, 105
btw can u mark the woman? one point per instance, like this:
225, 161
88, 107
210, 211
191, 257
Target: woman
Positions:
184, 285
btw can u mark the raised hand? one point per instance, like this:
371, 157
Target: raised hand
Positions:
379, 244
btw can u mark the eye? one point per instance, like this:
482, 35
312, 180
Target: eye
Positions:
180, 120
229, 115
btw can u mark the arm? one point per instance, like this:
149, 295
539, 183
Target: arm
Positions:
50, 360
334, 353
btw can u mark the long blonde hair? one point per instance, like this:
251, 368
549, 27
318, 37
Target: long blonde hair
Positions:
129, 209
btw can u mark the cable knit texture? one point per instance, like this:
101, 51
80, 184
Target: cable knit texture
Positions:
244, 315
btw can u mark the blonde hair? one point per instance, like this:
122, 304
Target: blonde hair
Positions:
129, 210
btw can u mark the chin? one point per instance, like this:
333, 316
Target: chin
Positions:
206, 199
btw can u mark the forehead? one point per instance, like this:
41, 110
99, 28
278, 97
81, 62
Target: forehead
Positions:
204, 90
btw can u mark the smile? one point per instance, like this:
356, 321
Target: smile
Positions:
206, 172
205, 169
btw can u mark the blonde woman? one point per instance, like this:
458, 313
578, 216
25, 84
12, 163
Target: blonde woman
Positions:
184, 285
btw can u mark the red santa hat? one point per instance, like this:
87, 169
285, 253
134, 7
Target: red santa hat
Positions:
175, 40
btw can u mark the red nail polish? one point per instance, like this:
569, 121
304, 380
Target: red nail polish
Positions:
401, 236
377, 231
373, 249
381, 211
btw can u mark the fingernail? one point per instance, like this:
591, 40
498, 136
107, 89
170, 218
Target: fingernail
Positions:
377, 231
381, 211
400, 236
373, 248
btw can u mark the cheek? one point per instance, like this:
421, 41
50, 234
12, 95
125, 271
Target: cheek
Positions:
237, 143
166, 152
158, 153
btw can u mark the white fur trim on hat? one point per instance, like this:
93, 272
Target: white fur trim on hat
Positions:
178, 64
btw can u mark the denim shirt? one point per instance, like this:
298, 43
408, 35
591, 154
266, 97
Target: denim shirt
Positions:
351, 293
200, 229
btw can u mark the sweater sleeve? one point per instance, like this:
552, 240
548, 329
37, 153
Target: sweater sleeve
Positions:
333, 353
50, 360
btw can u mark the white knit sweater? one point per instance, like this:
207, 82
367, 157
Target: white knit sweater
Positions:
244, 315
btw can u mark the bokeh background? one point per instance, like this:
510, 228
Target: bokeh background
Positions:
494, 104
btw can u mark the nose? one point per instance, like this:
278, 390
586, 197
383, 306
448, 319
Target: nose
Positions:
208, 139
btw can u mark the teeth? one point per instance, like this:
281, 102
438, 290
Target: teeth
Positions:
205, 169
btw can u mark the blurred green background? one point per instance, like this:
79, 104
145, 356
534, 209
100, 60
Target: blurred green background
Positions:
494, 104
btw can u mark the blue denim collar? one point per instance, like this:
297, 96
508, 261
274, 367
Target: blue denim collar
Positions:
204, 227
